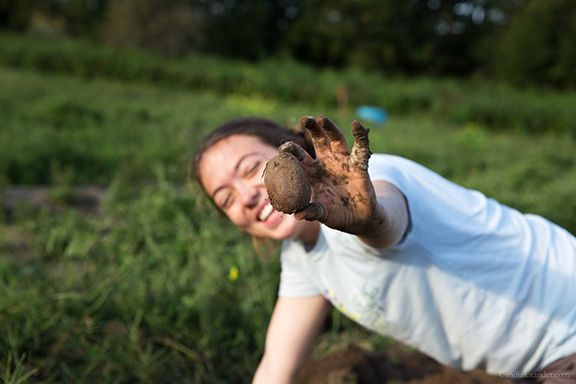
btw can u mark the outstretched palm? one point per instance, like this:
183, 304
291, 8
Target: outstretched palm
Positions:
343, 197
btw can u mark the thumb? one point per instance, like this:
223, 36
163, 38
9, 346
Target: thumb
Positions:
314, 211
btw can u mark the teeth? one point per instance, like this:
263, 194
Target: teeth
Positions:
265, 212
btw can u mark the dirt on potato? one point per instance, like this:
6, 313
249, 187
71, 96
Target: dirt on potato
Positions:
287, 183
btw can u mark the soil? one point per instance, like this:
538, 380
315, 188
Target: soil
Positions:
342, 366
354, 365
86, 199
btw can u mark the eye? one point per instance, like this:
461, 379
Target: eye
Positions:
252, 168
228, 201
223, 200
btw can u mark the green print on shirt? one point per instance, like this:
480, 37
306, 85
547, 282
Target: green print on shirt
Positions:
363, 308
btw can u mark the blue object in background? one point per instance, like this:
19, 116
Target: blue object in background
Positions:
372, 114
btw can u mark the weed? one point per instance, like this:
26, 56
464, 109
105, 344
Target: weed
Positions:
14, 371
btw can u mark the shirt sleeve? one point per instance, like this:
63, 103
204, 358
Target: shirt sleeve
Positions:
385, 168
295, 276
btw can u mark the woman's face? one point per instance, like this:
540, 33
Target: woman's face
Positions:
231, 173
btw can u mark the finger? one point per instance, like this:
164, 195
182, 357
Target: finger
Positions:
360, 154
313, 212
337, 140
296, 150
319, 138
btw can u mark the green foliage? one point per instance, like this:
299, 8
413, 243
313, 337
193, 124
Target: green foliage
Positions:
409, 37
91, 131
538, 48
52, 17
523, 42
500, 109
140, 293
452, 101
157, 287
15, 371
387, 35
172, 28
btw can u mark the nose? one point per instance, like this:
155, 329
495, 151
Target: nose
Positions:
249, 195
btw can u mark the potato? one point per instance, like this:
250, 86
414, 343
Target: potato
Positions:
287, 183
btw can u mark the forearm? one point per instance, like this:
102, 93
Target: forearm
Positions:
293, 328
391, 218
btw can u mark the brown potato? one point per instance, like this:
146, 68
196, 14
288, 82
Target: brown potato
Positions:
287, 183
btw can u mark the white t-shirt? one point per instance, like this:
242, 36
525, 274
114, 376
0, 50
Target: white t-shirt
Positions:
473, 284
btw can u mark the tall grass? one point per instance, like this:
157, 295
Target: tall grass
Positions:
94, 129
141, 293
452, 101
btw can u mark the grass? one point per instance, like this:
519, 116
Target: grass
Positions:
140, 293
453, 101
90, 130
157, 287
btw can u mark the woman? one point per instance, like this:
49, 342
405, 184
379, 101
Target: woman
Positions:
402, 251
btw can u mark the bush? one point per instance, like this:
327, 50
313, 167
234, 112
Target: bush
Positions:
538, 48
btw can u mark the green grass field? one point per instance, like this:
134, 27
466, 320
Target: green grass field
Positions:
157, 287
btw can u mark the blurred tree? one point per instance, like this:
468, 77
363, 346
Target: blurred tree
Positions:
173, 27
419, 36
249, 29
15, 15
423, 37
236, 28
369, 33
539, 48
80, 17
71, 17
463, 31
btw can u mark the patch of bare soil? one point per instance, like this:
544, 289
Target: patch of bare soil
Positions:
354, 365
86, 199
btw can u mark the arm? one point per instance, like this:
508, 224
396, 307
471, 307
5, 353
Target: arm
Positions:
293, 328
394, 214
343, 196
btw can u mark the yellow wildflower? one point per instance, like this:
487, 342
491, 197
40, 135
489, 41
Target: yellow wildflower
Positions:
233, 274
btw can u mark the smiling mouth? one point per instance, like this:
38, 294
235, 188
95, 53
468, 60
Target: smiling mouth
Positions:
266, 212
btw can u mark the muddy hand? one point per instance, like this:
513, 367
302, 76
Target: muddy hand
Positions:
342, 194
